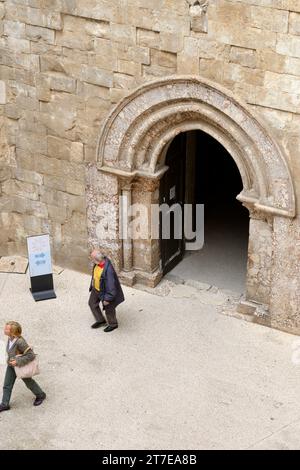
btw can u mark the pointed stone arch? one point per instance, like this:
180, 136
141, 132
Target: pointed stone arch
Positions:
138, 129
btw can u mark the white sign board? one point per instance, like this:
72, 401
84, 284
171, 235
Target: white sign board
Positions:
39, 255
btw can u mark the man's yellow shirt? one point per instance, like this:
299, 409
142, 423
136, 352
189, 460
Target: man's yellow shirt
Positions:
97, 275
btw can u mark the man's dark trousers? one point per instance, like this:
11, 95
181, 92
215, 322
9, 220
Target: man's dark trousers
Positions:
110, 309
9, 381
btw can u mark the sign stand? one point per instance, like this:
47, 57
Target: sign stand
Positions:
40, 267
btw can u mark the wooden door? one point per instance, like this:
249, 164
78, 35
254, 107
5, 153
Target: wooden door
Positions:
172, 192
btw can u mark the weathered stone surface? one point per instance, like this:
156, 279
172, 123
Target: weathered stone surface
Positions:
58, 214
72, 41
105, 55
243, 56
20, 188
170, 42
283, 82
32, 142
294, 23
126, 34
13, 264
28, 176
58, 148
64, 65
288, 45
147, 38
122, 80
96, 76
2, 92
165, 59
129, 68
259, 260
134, 53
15, 29
269, 19
34, 16
36, 33
285, 292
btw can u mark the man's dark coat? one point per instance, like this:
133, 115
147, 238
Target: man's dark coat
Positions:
110, 287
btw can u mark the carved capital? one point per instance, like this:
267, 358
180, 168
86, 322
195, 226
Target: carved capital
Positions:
125, 183
258, 214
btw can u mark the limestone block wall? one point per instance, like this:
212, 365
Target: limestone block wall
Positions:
65, 63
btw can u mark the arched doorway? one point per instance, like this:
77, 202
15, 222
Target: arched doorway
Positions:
201, 171
130, 165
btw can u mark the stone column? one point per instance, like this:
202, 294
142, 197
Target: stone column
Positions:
146, 254
127, 274
285, 290
126, 201
153, 187
260, 254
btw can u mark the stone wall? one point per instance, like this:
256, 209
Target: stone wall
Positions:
65, 63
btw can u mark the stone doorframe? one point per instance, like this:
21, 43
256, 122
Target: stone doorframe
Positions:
131, 150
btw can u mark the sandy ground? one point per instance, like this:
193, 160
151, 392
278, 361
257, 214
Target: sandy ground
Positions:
177, 374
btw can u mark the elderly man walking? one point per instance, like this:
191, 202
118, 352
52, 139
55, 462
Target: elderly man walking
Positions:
105, 287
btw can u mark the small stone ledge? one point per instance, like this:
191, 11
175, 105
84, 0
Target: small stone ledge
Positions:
131, 278
250, 307
127, 278
248, 310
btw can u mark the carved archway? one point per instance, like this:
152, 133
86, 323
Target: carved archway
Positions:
135, 133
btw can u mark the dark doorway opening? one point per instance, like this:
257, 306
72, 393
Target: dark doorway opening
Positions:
206, 173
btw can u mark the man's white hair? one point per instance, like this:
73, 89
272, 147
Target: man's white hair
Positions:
97, 255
